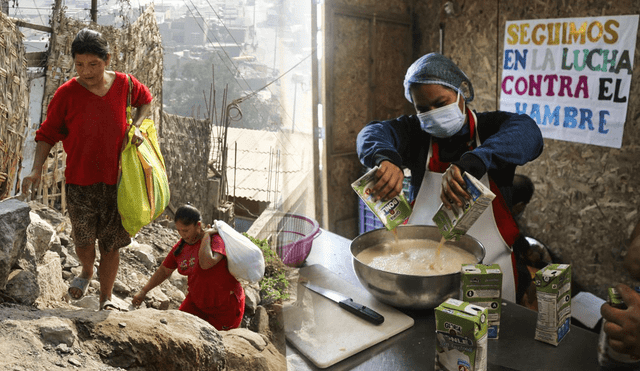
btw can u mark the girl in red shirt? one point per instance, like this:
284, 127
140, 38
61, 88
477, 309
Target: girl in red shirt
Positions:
213, 293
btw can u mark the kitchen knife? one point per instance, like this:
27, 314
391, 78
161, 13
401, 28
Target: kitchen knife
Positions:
347, 303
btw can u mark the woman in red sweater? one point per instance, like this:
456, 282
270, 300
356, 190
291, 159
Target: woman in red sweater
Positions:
213, 293
88, 114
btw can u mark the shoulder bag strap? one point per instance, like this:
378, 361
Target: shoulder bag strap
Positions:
129, 116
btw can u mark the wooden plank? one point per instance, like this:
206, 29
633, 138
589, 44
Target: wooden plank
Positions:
33, 26
36, 59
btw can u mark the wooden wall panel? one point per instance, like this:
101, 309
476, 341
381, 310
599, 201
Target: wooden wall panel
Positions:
344, 201
387, 90
350, 80
367, 51
376, 6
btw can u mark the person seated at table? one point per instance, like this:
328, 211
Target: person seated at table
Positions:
213, 293
623, 325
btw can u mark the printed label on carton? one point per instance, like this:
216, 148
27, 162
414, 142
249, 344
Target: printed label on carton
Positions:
481, 284
457, 221
391, 212
461, 336
614, 298
553, 290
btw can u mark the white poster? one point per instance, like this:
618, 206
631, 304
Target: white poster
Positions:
571, 75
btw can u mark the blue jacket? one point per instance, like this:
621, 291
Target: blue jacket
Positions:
507, 140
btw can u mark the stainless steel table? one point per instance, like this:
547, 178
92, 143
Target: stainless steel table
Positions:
414, 349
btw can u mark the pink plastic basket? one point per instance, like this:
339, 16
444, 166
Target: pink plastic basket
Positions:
295, 238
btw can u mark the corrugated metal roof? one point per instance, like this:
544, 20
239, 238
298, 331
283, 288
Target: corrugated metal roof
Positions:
267, 164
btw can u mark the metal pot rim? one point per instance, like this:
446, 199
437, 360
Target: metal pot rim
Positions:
378, 231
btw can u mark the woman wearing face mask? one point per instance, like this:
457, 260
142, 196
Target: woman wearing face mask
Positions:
444, 140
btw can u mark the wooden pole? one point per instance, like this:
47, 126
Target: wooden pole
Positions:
317, 159
94, 11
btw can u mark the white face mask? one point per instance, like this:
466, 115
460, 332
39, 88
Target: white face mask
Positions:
443, 122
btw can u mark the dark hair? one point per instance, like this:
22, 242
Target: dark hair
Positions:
90, 42
523, 189
187, 215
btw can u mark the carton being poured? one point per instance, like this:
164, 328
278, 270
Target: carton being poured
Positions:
391, 212
457, 221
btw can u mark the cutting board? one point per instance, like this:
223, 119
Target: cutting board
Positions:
325, 333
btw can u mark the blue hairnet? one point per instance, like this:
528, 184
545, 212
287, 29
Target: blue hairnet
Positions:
435, 68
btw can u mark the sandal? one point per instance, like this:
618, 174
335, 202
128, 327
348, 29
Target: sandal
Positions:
109, 305
81, 284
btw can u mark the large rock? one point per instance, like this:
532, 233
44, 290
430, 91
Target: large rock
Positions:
146, 338
252, 297
156, 340
52, 216
179, 281
27, 258
247, 350
260, 322
22, 286
157, 299
144, 253
41, 235
52, 286
14, 220
174, 294
56, 331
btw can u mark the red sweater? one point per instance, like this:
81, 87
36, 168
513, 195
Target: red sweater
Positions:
209, 288
91, 128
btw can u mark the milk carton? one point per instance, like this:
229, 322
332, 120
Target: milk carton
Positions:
481, 285
461, 336
553, 290
392, 212
457, 221
607, 357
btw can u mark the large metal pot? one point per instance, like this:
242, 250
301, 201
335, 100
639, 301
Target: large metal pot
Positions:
409, 291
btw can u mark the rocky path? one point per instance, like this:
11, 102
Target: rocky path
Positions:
42, 329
